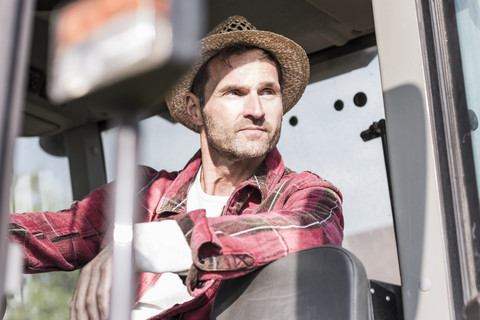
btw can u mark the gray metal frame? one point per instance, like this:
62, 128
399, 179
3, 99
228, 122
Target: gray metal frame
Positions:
16, 17
414, 159
125, 208
86, 159
454, 147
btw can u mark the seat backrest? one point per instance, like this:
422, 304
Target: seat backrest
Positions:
325, 282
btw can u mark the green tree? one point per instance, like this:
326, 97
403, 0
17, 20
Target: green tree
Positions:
45, 296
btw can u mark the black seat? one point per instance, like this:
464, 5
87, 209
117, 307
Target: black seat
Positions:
325, 282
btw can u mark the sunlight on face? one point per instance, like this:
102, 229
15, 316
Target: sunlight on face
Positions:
243, 111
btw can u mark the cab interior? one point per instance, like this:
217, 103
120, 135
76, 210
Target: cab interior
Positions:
339, 38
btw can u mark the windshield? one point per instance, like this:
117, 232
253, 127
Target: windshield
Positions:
468, 23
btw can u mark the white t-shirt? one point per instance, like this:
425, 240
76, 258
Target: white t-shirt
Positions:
198, 199
169, 288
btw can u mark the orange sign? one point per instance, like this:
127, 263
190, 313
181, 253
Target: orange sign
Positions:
81, 19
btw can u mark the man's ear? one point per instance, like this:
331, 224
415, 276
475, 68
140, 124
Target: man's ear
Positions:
193, 109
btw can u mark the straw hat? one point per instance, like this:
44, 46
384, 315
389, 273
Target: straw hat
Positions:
237, 30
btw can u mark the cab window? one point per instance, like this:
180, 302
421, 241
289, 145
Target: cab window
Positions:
41, 182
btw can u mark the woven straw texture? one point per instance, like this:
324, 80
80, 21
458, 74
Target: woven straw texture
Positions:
237, 30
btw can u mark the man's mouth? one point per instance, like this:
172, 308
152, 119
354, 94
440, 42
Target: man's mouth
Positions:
253, 133
253, 129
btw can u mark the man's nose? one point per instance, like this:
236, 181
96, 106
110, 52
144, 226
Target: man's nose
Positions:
253, 107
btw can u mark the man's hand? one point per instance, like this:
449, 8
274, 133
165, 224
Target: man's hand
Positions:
91, 299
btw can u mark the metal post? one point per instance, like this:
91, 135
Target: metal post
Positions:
378, 129
125, 208
86, 159
17, 18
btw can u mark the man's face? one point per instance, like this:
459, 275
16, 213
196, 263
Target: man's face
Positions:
243, 111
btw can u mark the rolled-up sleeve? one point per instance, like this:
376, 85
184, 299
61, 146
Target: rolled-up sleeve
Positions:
64, 240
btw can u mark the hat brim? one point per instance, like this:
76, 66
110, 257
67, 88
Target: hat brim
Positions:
291, 57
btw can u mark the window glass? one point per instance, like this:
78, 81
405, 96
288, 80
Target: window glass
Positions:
468, 23
40, 182
163, 145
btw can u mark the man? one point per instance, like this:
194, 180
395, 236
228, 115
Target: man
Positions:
235, 205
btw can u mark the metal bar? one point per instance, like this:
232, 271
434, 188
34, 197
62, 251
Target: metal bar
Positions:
383, 136
125, 209
378, 129
17, 18
85, 158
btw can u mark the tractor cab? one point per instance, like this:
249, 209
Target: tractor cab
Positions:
389, 117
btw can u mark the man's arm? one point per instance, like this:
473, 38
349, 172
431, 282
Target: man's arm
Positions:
68, 239
73, 238
305, 215
64, 240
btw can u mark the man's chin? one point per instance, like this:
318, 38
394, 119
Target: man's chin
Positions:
253, 150
244, 149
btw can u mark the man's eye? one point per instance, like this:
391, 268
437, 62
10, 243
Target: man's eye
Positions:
268, 91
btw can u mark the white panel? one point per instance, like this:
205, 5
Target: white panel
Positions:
416, 192
327, 142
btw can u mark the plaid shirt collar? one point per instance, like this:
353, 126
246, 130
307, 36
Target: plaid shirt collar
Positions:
264, 180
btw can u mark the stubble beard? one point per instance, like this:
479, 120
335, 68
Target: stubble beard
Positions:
228, 145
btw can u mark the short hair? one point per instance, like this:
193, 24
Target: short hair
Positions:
201, 78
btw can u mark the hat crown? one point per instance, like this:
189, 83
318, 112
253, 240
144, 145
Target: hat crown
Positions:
232, 24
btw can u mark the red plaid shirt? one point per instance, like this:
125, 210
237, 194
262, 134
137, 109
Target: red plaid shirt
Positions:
274, 213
